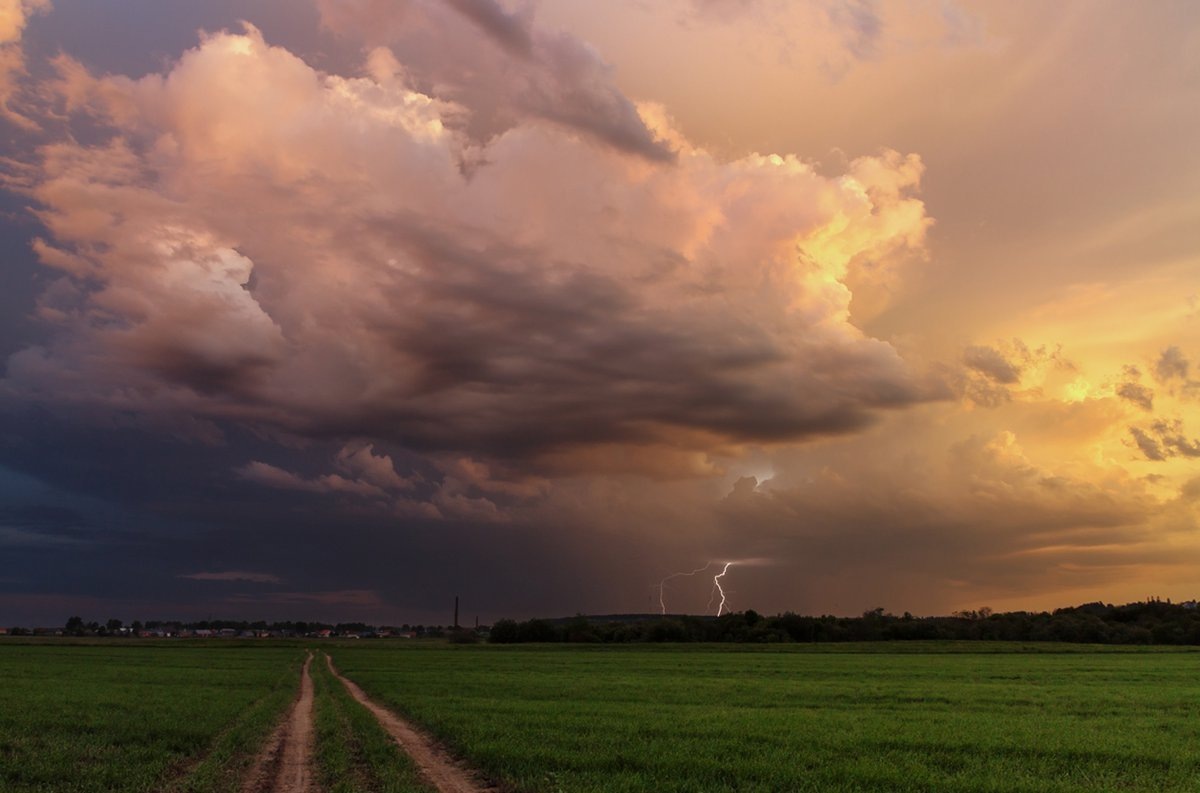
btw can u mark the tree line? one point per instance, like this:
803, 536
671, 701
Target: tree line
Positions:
1150, 622
77, 626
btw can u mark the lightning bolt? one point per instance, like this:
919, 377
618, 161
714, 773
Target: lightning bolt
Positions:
662, 584
717, 589
717, 584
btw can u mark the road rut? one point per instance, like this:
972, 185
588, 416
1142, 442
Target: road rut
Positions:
285, 764
442, 771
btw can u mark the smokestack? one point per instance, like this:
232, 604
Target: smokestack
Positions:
456, 612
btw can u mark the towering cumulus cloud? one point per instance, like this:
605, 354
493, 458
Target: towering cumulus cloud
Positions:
497, 254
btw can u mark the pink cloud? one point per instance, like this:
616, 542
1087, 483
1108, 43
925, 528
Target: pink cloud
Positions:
235, 575
334, 256
359, 460
272, 476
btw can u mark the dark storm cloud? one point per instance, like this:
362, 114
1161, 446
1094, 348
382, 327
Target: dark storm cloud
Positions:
992, 374
61, 546
1172, 364
1138, 394
136, 525
1164, 439
993, 363
503, 68
555, 300
305, 367
1147, 445
511, 31
591, 354
1172, 370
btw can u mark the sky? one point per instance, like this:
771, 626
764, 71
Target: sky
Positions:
337, 309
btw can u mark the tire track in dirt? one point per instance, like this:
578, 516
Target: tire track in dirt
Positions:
445, 773
285, 763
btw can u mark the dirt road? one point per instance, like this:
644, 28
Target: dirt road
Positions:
438, 768
285, 764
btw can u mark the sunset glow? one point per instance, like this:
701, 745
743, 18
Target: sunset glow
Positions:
338, 308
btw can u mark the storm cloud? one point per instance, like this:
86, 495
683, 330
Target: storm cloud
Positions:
260, 242
501, 68
359, 306
1164, 439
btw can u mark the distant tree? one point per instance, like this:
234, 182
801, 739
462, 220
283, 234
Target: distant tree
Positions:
74, 626
136, 626
665, 630
537, 631
112, 626
578, 629
504, 632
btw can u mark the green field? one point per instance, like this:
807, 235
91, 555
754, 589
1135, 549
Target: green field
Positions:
183, 716
137, 716
880, 717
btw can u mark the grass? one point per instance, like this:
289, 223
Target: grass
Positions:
354, 754
188, 717
892, 717
137, 716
